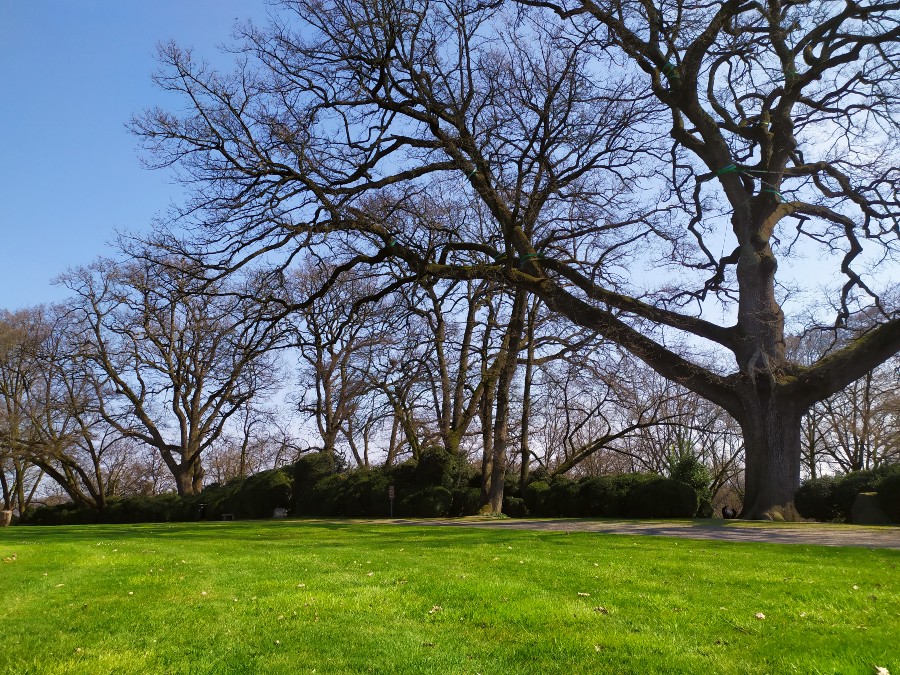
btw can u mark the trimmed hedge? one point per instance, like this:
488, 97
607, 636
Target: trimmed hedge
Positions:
562, 500
432, 502
831, 497
606, 496
262, 493
889, 496
437, 485
815, 499
693, 472
536, 495
59, 514
466, 501
661, 498
143, 509
514, 507
307, 472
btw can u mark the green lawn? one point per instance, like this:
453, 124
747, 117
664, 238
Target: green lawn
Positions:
331, 597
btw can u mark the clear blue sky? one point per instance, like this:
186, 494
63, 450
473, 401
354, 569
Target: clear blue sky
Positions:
72, 72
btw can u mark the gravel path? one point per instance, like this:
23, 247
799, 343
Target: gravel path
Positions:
781, 533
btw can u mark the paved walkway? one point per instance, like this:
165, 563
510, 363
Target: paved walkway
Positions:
773, 533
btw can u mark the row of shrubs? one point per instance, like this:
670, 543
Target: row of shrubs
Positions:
635, 495
254, 497
437, 485
831, 498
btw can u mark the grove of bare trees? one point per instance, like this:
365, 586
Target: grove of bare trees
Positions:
575, 237
597, 155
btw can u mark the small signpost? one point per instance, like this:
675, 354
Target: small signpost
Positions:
391, 497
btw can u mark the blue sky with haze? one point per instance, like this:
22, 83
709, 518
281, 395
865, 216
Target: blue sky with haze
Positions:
72, 72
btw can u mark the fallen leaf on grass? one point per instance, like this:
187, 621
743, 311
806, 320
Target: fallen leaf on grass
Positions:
583, 595
435, 609
760, 616
601, 610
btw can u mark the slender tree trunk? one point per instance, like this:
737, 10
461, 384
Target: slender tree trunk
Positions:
7, 502
866, 421
504, 385
242, 465
392, 448
360, 460
487, 409
101, 491
487, 438
810, 422
524, 449
406, 421
20, 486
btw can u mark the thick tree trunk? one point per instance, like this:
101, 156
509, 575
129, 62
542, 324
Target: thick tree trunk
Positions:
772, 432
184, 480
197, 475
188, 476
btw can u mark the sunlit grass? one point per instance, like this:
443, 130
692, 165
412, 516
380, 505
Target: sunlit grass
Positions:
302, 597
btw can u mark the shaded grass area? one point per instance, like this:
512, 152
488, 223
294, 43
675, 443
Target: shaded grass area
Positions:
332, 597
